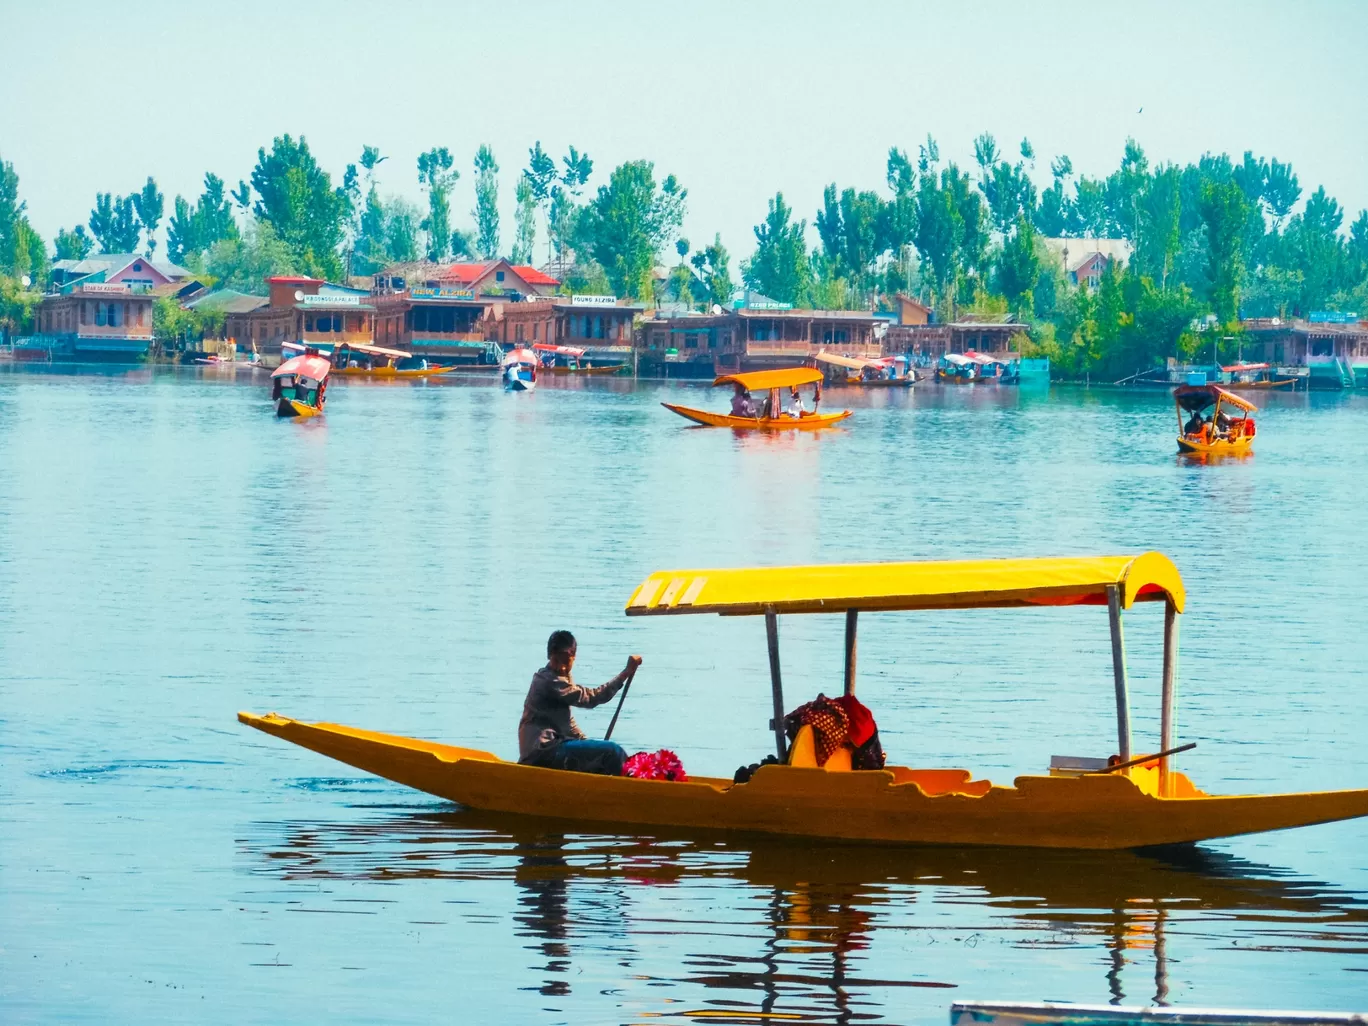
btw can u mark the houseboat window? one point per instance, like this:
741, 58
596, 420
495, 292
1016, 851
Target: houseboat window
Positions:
308, 322
448, 321
598, 327
498, 276
420, 319
138, 267
535, 329
1322, 347
690, 341
840, 335
99, 315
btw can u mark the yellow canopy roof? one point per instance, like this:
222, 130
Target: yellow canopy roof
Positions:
952, 584
848, 362
763, 381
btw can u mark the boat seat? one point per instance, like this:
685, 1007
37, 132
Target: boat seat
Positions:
803, 753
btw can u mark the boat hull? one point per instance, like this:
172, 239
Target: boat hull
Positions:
294, 408
703, 417
391, 372
891, 806
1239, 447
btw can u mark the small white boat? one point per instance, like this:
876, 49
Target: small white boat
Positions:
520, 370
989, 1013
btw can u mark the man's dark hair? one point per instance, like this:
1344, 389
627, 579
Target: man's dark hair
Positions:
560, 641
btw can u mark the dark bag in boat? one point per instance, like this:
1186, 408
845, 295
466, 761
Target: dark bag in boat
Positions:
743, 773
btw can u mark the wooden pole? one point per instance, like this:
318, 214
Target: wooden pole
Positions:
1170, 684
776, 683
852, 615
1118, 643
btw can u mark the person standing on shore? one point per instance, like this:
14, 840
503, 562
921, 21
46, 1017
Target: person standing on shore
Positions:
547, 733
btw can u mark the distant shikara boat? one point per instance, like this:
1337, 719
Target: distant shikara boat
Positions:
1235, 437
1257, 376
359, 360
558, 359
299, 385
768, 417
985, 1013
868, 373
1126, 801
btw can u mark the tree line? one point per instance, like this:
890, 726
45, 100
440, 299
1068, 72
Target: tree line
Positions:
1216, 238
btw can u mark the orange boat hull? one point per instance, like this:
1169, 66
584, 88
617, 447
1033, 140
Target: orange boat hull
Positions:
703, 417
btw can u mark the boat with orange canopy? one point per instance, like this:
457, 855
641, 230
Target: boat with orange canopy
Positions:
1257, 376
861, 372
359, 360
1125, 800
298, 385
768, 415
1217, 433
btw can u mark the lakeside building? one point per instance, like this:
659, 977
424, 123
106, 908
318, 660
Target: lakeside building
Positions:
932, 341
300, 309
597, 324
127, 268
96, 320
1084, 259
450, 312
753, 337
1332, 346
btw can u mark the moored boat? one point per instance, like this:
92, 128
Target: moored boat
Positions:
769, 414
299, 385
358, 360
1125, 801
1216, 434
1245, 376
885, 372
558, 359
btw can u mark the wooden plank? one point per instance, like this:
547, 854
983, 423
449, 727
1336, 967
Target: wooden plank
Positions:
1170, 687
776, 683
852, 617
1118, 644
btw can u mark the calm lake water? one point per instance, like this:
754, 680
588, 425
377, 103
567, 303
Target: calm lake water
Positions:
171, 553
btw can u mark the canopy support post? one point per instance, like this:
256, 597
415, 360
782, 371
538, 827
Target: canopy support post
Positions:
776, 682
1118, 643
852, 616
1170, 683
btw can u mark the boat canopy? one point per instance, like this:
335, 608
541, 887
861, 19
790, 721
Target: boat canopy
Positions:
1236, 368
314, 367
360, 347
520, 356
763, 381
951, 584
544, 347
848, 362
1199, 397
957, 359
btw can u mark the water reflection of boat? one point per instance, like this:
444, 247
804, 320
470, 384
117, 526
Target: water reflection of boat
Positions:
981, 1013
1125, 801
822, 906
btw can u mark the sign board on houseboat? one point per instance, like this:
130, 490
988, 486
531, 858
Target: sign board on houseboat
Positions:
593, 300
421, 292
331, 299
102, 288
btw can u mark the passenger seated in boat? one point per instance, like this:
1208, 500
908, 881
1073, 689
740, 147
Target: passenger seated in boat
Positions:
547, 734
1194, 424
742, 403
795, 405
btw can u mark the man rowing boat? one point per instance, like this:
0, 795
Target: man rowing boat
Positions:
547, 733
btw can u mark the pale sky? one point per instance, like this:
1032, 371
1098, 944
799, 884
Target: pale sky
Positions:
738, 99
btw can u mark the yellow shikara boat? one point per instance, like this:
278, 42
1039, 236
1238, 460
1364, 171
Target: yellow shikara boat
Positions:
357, 360
1127, 802
1218, 434
767, 418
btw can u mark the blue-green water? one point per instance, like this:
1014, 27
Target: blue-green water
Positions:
171, 553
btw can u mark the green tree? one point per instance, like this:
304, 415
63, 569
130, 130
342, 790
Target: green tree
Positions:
1316, 249
940, 231
114, 223
713, 264
1052, 213
779, 268
1159, 206
524, 222
541, 176
243, 263
629, 220
436, 174
1019, 267
192, 230
1280, 192
565, 214
74, 244
297, 199
1225, 213
486, 212
151, 206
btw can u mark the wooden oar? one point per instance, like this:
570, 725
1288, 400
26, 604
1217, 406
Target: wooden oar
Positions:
1144, 758
616, 712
